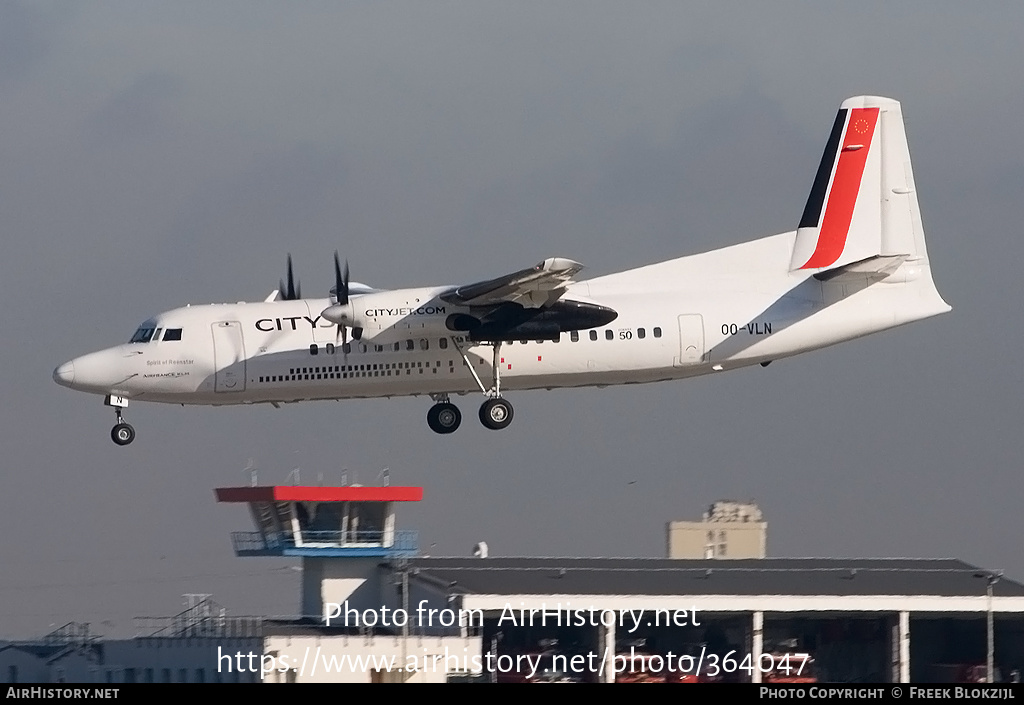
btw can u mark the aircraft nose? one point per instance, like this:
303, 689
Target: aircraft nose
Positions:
65, 374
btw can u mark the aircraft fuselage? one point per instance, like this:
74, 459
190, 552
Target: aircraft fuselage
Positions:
286, 351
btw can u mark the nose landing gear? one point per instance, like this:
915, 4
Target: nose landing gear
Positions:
122, 434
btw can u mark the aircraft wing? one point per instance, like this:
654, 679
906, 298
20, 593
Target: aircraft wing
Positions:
532, 288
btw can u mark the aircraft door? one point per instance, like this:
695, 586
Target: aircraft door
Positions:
228, 356
691, 340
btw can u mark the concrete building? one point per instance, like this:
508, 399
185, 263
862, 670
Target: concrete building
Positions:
729, 529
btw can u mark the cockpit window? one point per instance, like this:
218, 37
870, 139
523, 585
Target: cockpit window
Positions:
172, 334
142, 335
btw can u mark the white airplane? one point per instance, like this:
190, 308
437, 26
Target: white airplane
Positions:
855, 265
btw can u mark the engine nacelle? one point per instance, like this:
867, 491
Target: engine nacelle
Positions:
391, 316
513, 322
462, 322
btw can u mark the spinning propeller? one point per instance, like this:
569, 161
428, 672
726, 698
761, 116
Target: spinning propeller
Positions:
338, 312
293, 292
341, 293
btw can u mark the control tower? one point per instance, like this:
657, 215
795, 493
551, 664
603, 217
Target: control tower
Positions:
342, 534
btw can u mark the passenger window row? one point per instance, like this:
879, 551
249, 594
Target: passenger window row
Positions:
393, 369
442, 343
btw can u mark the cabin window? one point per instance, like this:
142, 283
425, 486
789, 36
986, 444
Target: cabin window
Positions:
609, 335
346, 348
593, 335
657, 332
641, 333
424, 344
172, 334
443, 343
398, 346
362, 347
410, 344
574, 336
314, 349
330, 348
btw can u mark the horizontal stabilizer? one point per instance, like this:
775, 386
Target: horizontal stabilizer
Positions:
875, 268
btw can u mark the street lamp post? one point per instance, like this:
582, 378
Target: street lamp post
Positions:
991, 578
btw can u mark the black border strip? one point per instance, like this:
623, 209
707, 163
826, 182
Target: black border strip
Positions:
816, 200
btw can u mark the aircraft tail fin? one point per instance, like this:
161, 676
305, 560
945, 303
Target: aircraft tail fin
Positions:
863, 203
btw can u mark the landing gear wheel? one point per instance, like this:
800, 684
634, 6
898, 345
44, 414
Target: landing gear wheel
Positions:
496, 413
444, 418
122, 434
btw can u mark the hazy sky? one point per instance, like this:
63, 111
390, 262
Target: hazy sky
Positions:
154, 154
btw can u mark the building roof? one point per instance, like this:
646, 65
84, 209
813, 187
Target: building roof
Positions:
943, 577
289, 493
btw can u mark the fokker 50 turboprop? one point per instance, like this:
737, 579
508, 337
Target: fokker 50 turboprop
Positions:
855, 265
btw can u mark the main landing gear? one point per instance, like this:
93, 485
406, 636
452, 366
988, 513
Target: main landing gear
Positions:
495, 413
443, 417
122, 434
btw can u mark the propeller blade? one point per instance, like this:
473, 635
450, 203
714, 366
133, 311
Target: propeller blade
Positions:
292, 292
340, 281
